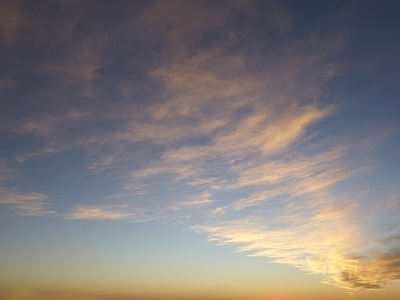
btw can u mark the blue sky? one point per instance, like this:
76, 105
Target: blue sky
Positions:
165, 148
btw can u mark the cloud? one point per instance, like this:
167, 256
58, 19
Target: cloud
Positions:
218, 111
17, 201
25, 204
196, 201
223, 129
175, 102
316, 245
83, 212
300, 214
11, 20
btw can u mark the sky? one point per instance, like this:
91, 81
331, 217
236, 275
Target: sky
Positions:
199, 150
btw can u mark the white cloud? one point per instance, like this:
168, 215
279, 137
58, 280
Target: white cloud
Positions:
194, 203
331, 245
25, 204
100, 212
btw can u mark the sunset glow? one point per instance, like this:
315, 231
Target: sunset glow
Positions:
199, 150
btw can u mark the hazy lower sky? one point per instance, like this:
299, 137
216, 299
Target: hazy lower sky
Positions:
225, 150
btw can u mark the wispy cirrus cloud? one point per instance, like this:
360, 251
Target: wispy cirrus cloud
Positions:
220, 119
99, 212
194, 120
327, 242
17, 201
25, 204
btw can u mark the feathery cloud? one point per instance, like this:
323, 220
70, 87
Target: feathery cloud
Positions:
173, 102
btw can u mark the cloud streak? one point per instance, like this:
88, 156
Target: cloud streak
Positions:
25, 204
325, 241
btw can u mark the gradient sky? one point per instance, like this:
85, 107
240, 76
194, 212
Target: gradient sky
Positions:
199, 150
